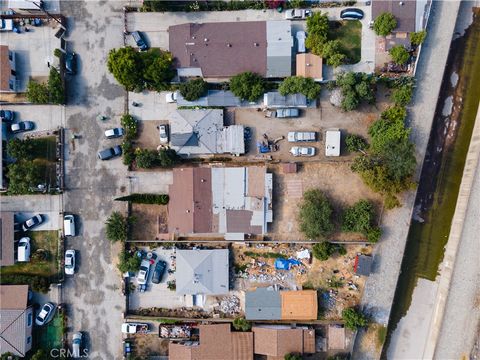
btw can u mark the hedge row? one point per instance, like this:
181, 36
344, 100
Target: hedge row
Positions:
159, 199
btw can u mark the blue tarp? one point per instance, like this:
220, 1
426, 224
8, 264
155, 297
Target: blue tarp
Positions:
285, 264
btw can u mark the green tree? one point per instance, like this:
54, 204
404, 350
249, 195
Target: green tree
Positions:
116, 227
128, 262
37, 93
400, 159
247, 86
354, 319
157, 68
193, 89
389, 129
159, 199
55, 87
359, 217
402, 95
128, 153
40, 284
146, 158
23, 176
315, 216
130, 124
299, 84
9, 356
399, 54
356, 143
168, 157
317, 26
374, 233
40, 355
20, 149
293, 356
322, 251
331, 52
241, 324
356, 87
384, 24
127, 67
417, 38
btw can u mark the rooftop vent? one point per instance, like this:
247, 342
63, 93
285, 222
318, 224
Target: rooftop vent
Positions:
229, 45
205, 39
255, 44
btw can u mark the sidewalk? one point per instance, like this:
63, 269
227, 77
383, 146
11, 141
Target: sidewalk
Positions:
380, 287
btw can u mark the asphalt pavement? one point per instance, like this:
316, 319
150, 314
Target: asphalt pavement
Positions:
95, 303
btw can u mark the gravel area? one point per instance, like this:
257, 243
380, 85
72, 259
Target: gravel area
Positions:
380, 287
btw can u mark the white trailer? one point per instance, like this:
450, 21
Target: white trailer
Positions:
332, 142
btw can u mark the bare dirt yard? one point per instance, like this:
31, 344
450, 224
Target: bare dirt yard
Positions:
150, 221
335, 280
148, 345
335, 179
148, 135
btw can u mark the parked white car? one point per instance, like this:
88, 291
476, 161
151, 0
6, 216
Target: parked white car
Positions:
297, 14
300, 136
302, 151
70, 262
23, 251
300, 36
171, 97
143, 272
163, 130
45, 314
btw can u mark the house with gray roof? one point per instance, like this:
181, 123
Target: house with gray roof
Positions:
220, 50
16, 320
263, 304
202, 272
201, 132
274, 99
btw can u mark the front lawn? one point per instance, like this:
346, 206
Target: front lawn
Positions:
50, 336
43, 259
349, 33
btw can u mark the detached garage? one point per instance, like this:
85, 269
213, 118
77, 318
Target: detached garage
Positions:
332, 142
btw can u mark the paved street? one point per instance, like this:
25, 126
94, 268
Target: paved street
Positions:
45, 117
94, 298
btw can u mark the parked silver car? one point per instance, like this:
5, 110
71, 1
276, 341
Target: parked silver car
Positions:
46, 314
302, 151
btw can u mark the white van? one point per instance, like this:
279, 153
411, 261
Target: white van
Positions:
23, 252
69, 225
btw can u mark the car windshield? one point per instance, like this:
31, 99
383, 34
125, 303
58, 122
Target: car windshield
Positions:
42, 314
68, 260
30, 222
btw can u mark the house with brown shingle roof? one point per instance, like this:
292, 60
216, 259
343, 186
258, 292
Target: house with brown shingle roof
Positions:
222, 201
7, 256
223, 49
216, 342
8, 78
16, 320
276, 341
310, 65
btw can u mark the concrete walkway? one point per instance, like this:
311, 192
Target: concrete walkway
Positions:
457, 315
380, 287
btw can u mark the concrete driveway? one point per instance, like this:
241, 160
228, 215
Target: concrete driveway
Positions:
93, 296
45, 117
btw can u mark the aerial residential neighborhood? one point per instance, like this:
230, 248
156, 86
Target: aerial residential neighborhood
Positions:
238, 179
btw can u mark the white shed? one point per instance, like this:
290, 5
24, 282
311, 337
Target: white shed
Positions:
332, 142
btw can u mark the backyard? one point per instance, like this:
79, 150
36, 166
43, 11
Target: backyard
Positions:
349, 33
49, 337
44, 256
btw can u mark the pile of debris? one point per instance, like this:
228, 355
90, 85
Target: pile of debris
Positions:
230, 305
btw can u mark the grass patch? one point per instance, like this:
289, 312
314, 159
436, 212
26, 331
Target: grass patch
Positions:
45, 148
49, 266
49, 336
381, 335
349, 33
267, 255
167, 321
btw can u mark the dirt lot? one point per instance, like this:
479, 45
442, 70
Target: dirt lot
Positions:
150, 221
148, 345
335, 179
338, 286
324, 117
148, 136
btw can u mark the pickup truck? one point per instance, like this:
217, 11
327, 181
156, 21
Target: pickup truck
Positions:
298, 136
297, 14
283, 113
135, 328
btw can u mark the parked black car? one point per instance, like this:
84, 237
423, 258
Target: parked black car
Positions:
139, 40
7, 115
32, 222
71, 63
351, 14
109, 153
160, 268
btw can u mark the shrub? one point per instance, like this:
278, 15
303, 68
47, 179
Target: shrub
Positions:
299, 84
241, 324
128, 262
146, 158
37, 93
158, 199
20, 149
129, 123
399, 54
402, 95
315, 215
116, 227
417, 38
193, 89
57, 52
157, 69
55, 87
373, 234
293, 356
384, 24
356, 143
341, 250
23, 176
354, 319
128, 153
168, 157
247, 86
37, 283
322, 251
359, 217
